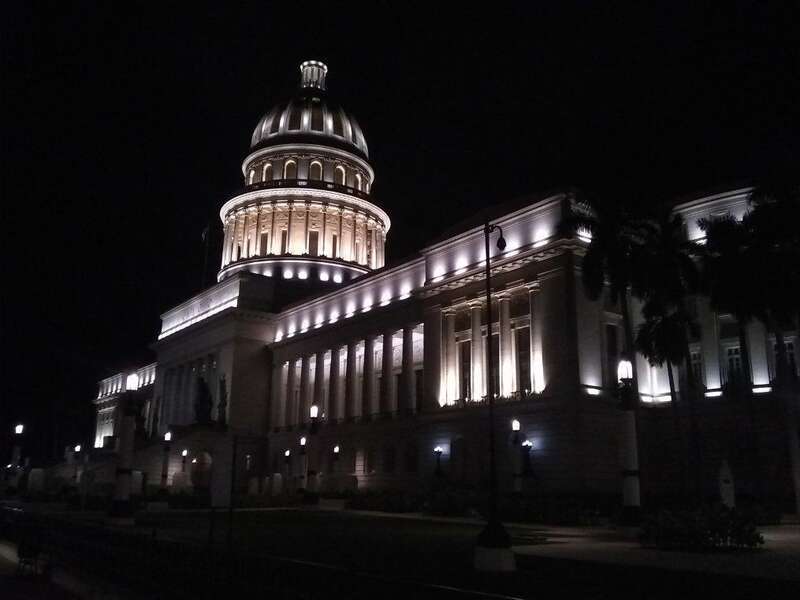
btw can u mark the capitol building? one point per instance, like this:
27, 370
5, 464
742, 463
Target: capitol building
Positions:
312, 363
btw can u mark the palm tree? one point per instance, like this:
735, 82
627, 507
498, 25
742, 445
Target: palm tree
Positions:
727, 259
663, 338
753, 271
667, 276
608, 265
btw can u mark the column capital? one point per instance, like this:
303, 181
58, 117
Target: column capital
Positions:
504, 295
473, 304
448, 311
533, 286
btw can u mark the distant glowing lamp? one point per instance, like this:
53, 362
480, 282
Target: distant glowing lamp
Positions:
314, 411
184, 453
515, 425
168, 436
303, 441
336, 449
132, 382
624, 371
18, 429
527, 444
78, 448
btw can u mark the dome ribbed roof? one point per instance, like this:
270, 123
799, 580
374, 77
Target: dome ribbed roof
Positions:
310, 117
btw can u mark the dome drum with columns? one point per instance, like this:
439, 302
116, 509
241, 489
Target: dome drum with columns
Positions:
305, 212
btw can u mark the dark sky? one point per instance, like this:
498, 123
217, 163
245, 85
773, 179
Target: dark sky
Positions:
124, 128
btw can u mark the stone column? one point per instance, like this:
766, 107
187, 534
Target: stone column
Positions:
351, 381
257, 241
121, 504
305, 375
450, 356
278, 396
368, 393
291, 384
535, 346
387, 374
334, 394
432, 359
476, 377
757, 347
709, 331
407, 398
506, 365
319, 382
226, 244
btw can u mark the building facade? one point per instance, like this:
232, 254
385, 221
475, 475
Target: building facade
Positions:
335, 370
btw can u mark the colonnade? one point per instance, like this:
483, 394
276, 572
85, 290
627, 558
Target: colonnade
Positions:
310, 228
516, 373
343, 383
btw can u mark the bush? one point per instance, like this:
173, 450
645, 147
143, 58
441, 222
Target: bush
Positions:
708, 529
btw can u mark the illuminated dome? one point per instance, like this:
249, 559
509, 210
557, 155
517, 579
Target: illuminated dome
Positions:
306, 212
311, 116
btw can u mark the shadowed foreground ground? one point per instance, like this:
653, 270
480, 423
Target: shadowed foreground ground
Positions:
440, 552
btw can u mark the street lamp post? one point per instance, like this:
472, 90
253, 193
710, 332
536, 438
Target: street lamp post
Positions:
631, 501
438, 452
184, 454
493, 551
16, 453
165, 461
303, 462
76, 459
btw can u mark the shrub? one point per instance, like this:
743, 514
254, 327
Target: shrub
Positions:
708, 529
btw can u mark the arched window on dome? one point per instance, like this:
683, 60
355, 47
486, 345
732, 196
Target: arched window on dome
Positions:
266, 175
290, 170
366, 187
251, 177
315, 170
358, 181
339, 175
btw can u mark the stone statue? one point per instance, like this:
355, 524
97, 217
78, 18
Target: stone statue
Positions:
202, 402
222, 406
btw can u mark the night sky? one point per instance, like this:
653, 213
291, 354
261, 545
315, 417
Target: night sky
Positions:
124, 128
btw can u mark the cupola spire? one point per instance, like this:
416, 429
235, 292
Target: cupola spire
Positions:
312, 74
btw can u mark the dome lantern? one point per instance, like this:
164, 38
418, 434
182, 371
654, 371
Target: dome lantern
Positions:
313, 74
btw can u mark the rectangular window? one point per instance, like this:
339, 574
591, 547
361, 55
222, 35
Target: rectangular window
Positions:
495, 349
612, 354
334, 245
523, 358
313, 243
419, 387
791, 357
284, 240
697, 366
264, 244
733, 358
465, 358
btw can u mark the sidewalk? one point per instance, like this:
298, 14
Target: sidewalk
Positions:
779, 558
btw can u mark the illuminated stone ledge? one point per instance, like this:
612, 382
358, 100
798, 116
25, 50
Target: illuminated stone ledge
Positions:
240, 290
